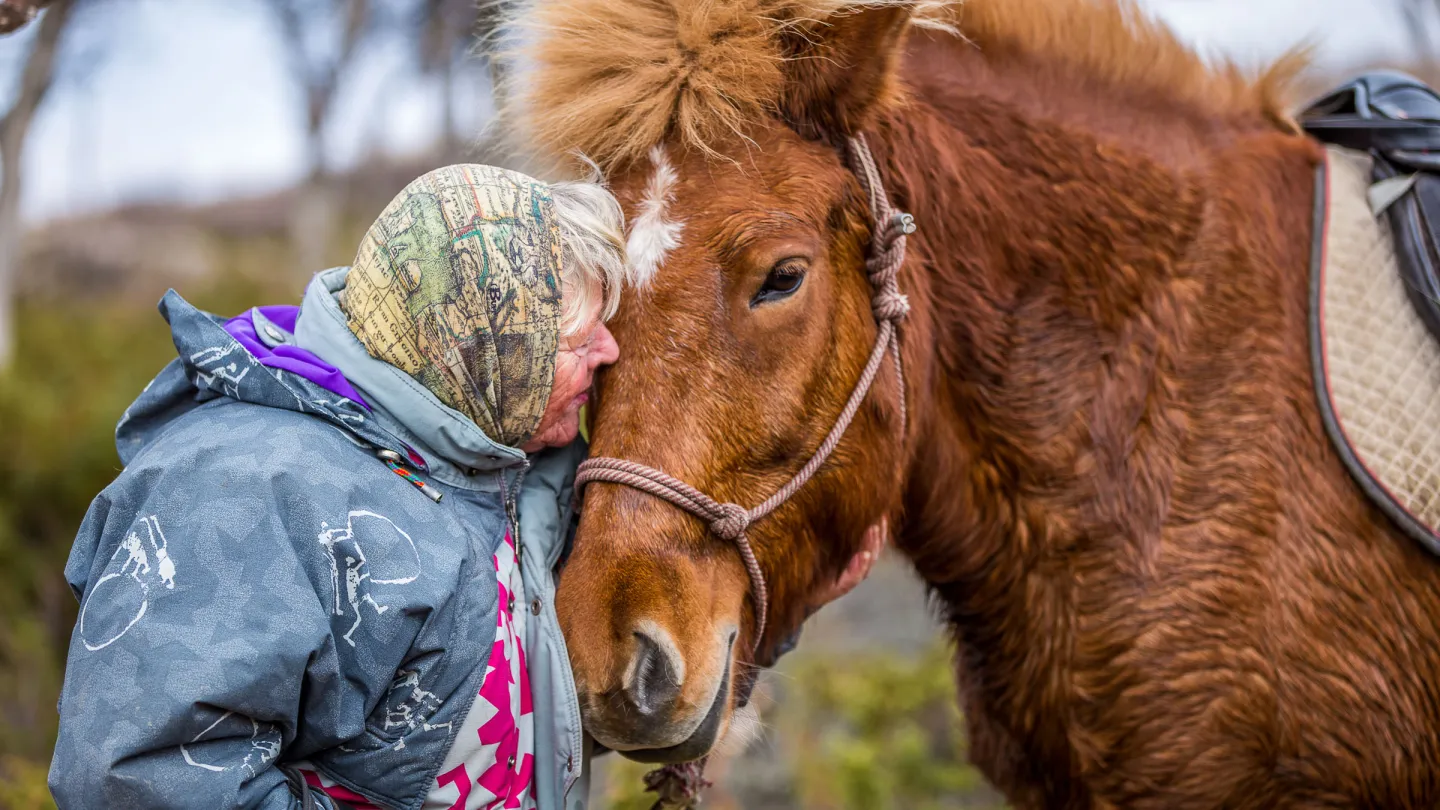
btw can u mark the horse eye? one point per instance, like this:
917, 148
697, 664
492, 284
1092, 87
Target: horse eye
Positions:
784, 279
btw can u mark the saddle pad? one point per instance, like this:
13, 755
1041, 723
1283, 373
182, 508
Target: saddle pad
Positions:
1377, 366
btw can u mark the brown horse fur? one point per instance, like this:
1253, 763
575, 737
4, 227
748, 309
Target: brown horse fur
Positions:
1163, 587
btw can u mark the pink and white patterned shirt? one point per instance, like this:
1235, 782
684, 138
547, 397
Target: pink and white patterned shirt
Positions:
492, 761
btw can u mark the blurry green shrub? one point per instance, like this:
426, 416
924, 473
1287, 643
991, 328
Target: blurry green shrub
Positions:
624, 785
881, 732
22, 785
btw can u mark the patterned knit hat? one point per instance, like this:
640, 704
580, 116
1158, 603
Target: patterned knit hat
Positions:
458, 284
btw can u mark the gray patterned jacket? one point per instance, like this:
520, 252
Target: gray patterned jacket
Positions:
258, 588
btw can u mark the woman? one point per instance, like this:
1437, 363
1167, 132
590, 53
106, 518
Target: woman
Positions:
324, 577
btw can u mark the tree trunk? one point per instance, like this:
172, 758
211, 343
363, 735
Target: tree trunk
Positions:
35, 82
312, 221
10, 235
448, 145
315, 214
1420, 22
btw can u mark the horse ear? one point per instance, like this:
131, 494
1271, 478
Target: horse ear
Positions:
842, 69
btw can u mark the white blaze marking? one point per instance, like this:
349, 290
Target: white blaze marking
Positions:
652, 235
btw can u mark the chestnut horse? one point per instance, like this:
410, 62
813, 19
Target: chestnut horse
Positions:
1163, 588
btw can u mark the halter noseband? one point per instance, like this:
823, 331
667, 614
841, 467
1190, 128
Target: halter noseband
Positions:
729, 521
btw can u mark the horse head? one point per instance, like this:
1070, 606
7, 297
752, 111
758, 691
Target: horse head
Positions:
748, 325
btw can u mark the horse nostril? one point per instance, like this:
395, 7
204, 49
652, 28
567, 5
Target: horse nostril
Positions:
654, 682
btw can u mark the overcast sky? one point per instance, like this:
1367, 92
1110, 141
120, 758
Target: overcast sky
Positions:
193, 103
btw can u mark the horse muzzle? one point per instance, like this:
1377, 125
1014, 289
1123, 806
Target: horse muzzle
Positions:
647, 719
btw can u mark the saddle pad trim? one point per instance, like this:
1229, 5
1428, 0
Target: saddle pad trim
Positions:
1378, 493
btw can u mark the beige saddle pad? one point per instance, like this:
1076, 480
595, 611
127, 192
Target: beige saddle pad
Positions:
1377, 365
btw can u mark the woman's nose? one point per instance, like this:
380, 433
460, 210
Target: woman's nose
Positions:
605, 350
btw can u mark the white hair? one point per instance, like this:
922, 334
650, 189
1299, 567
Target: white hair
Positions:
592, 239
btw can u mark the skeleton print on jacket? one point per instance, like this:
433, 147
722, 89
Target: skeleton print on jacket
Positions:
491, 764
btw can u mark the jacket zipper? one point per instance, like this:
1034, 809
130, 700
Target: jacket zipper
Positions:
512, 505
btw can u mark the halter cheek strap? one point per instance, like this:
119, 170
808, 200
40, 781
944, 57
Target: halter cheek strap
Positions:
729, 521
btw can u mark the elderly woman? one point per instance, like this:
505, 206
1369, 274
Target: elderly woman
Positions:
325, 576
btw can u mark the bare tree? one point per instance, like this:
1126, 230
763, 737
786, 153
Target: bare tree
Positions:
318, 67
1422, 22
36, 79
446, 28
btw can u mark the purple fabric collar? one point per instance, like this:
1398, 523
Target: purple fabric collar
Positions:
285, 356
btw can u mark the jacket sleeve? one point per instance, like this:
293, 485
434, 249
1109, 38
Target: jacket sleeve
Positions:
203, 636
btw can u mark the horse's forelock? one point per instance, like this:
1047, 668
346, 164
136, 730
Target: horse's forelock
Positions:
613, 78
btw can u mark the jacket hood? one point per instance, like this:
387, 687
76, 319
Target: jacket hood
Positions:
401, 402
212, 364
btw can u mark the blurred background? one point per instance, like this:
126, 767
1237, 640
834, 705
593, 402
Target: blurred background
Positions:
230, 148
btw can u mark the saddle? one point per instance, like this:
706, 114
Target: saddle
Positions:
1375, 291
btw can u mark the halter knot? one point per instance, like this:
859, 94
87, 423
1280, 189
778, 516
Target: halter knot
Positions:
732, 522
890, 305
883, 267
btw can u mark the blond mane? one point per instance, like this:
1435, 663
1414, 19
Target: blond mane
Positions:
611, 78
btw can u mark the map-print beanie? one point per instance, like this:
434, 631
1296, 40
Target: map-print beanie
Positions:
458, 284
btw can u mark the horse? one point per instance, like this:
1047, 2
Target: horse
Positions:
1103, 458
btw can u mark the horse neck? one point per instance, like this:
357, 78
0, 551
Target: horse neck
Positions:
1068, 237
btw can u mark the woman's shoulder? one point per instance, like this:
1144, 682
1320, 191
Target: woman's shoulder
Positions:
225, 429
281, 497
281, 479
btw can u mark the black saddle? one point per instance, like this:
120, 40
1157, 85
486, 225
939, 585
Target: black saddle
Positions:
1396, 118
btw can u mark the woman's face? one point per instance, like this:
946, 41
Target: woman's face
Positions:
581, 353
